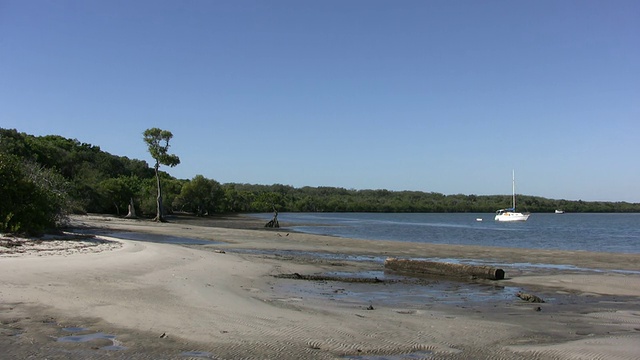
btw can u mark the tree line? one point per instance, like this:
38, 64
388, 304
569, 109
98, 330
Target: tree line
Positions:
43, 178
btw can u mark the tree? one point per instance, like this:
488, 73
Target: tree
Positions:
158, 142
200, 196
120, 192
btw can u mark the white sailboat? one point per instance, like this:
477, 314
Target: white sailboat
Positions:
511, 214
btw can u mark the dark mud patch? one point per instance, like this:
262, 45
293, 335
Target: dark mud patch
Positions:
337, 277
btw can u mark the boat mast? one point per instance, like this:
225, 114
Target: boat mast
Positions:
513, 185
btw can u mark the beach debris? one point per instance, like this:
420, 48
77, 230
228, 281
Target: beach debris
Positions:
327, 277
529, 297
9, 243
444, 269
370, 307
55, 244
273, 223
537, 308
219, 251
164, 335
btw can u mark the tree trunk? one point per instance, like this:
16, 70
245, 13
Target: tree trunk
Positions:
159, 216
132, 210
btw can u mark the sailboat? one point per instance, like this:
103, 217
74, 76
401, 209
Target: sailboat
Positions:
511, 214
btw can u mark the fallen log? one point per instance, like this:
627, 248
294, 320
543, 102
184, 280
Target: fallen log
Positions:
444, 269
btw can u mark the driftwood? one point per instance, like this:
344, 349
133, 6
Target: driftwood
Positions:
273, 223
444, 269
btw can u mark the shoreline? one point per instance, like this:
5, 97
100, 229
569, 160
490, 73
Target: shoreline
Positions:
224, 300
243, 231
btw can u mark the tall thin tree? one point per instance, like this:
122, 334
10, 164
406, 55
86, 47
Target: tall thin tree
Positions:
158, 142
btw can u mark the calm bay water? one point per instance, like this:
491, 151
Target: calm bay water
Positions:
592, 232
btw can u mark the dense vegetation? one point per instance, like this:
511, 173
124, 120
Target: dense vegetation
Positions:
43, 178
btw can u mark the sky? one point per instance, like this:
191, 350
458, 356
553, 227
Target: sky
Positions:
428, 95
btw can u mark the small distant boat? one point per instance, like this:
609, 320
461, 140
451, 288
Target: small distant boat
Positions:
511, 214
478, 219
559, 211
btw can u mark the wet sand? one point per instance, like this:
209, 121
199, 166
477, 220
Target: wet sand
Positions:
234, 299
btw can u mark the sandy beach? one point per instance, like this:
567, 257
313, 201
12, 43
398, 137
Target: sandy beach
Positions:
253, 293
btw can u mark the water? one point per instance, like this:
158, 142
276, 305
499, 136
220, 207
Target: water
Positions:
115, 345
618, 233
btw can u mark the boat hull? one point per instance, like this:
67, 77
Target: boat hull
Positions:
506, 217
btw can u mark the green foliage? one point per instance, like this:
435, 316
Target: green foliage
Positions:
147, 200
200, 196
6, 225
157, 141
119, 191
259, 198
267, 201
85, 168
171, 189
147, 195
236, 200
33, 198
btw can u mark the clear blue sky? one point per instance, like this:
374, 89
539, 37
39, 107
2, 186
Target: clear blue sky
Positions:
442, 96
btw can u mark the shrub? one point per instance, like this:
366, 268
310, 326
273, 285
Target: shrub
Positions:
32, 199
